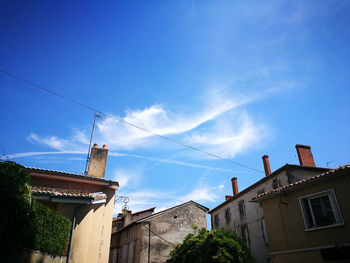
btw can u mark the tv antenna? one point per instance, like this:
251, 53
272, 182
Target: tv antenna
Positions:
327, 163
125, 199
92, 132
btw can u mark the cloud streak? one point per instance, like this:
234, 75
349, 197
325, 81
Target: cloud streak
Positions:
220, 126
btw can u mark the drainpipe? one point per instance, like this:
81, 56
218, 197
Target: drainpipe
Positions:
72, 231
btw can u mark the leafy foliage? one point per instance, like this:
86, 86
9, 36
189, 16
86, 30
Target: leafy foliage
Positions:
48, 231
26, 223
15, 206
217, 245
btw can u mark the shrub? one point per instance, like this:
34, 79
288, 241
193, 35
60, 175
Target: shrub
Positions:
15, 206
49, 231
217, 245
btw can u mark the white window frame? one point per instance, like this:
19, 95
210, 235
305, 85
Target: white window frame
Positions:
334, 204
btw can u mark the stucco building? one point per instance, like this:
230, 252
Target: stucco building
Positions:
308, 220
88, 200
149, 238
247, 219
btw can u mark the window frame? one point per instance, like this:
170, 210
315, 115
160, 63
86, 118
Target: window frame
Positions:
334, 206
216, 221
242, 211
228, 215
245, 235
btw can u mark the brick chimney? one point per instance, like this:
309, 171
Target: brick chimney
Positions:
305, 155
266, 162
234, 186
97, 162
128, 217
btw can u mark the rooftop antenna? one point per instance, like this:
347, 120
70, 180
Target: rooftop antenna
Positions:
88, 154
125, 199
327, 163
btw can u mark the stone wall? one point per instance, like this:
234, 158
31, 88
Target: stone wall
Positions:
31, 256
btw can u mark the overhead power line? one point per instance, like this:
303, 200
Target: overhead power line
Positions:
125, 122
158, 235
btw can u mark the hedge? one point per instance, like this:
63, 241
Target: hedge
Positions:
15, 206
49, 231
24, 222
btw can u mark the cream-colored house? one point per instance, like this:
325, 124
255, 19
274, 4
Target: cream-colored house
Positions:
88, 200
308, 220
247, 219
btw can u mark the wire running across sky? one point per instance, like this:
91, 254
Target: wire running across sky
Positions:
125, 122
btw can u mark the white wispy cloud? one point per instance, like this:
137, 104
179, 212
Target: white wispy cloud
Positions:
220, 126
126, 176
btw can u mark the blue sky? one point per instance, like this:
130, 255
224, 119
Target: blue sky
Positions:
238, 79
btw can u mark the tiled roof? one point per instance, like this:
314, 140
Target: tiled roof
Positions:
345, 168
69, 193
54, 172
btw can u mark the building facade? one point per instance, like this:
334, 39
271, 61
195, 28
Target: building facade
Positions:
247, 219
308, 220
88, 200
150, 238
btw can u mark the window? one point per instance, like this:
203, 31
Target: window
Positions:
320, 210
263, 227
245, 235
276, 183
228, 215
216, 220
241, 207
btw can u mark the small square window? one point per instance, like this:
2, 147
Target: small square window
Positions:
241, 207
228, 215
320, 210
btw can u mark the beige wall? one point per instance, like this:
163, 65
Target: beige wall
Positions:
286, 227
91, 239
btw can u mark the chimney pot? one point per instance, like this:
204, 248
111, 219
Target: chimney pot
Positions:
305, 155
266, 163
227, 197
234, 186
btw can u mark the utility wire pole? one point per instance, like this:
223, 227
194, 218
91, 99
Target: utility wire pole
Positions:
88, 154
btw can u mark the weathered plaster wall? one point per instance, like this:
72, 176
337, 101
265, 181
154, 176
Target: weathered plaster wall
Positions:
173, 227
254, 213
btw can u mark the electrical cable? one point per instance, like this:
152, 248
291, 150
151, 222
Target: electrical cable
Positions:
158, 236
125, 122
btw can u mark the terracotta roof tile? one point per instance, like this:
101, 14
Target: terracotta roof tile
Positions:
54, 172
62, 192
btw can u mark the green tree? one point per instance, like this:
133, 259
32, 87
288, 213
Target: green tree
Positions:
15, 206
217, 245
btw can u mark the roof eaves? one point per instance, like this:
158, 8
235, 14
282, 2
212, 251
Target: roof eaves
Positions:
265, 178
289, 187
171, 208
63, 173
